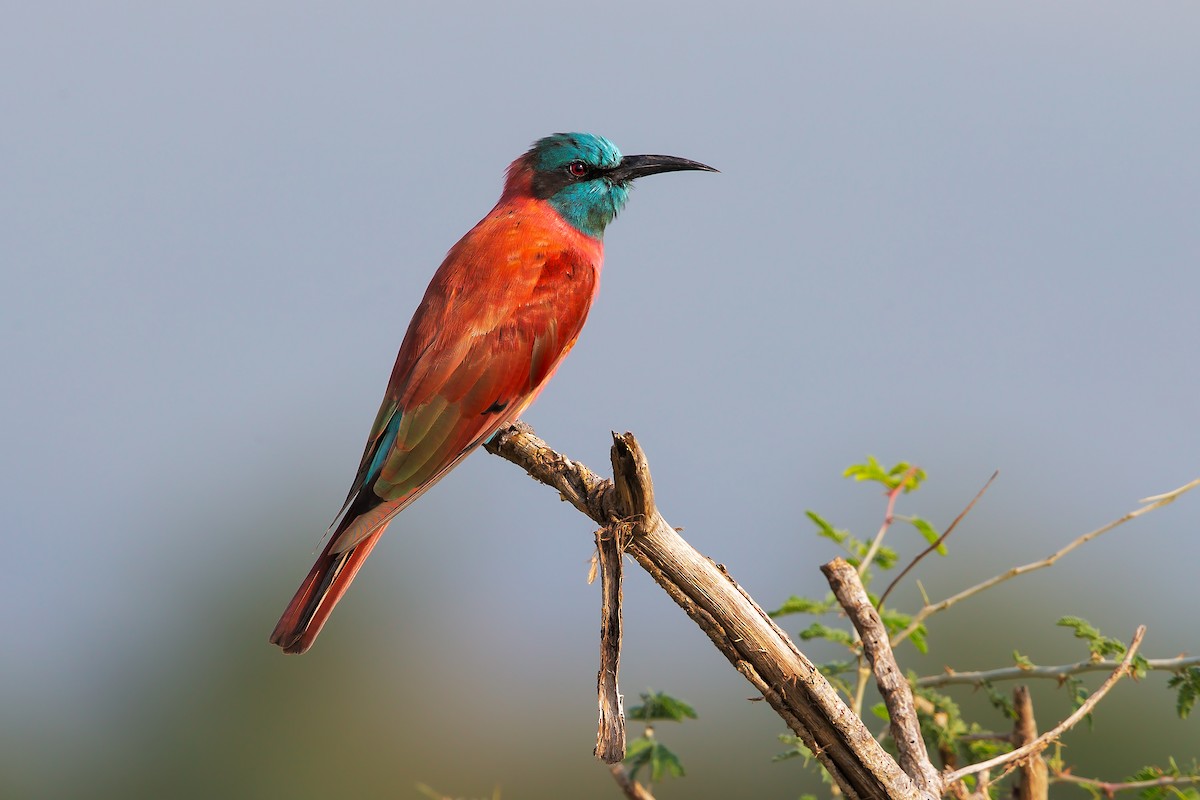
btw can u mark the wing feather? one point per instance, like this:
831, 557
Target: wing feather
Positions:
472, 381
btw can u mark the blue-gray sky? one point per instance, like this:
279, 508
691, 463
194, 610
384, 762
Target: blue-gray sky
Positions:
960, 234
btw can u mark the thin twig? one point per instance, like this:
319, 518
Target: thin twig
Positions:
1151, 503
1085, 708
1110, 788
1059, 672
861, 676
939, 541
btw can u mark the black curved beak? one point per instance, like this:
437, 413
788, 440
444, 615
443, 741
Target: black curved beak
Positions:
632, 167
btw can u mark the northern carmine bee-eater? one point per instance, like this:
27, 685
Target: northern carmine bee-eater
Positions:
500, 314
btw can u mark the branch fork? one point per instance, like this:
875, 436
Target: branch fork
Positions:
757, 647
751, 641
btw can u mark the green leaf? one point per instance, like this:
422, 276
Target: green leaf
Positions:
802, 605
927, 531
1099, 645
944, 725
885, 557
1172, 770
664, 763
880, 710
1083, 629
824, 529
917, 637
637, 752
819, 631
1187, 683
1150, 773
901, 474
905, 473
871, 470
1079, 694
983, 749
799, 750
999, 700
830, 668
1139, 667
659, 705
896, 621
1022, 661
833, 670
649, 752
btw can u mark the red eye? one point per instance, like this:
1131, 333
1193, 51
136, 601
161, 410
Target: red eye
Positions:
577, 168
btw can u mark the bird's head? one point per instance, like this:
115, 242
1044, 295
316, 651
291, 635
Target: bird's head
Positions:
585, 177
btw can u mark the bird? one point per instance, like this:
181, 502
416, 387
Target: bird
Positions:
501, 312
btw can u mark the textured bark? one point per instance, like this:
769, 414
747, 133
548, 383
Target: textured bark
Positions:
632, 789
739, 628
897, 696
610, 734
1035, 778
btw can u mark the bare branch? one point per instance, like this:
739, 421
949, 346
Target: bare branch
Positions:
632, 789
1034, 784
1110, 788
905, 727
576, 484
610, 732
1058, 672
1151, 503
739, 628
1040, 743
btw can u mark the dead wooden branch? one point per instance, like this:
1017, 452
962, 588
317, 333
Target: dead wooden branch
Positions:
610, 733
739, 628
897, 696
1035, 779
632, 789
759, 649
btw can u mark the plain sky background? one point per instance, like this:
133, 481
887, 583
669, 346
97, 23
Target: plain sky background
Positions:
962, 234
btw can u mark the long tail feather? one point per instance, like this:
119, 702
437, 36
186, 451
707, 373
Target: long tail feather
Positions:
327, 581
